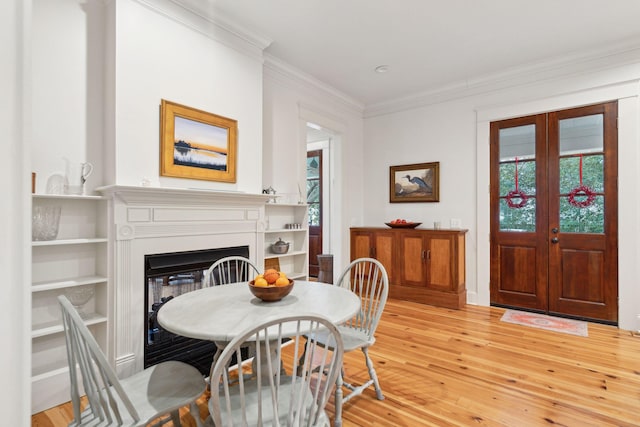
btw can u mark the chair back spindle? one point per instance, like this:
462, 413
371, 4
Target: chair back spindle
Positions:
284, 389
231, 269
368, 279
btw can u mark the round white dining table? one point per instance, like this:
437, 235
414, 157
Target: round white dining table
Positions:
220, 313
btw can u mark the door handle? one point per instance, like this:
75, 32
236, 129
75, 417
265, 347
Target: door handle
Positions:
554, 240
554, 230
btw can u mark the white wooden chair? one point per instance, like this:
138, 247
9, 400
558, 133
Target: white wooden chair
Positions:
281, 391
232, 269
368, 278
134, 401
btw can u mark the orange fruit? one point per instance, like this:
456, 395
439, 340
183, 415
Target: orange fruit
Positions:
259, 276
282, 281
283, 275
271, 276
261, 283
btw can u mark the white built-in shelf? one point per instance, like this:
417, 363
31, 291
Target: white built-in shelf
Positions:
79, 256
277, 216
61, 242
67, 197
49, 374
286, 230
62, 284
55, 327
288, 254
287, 205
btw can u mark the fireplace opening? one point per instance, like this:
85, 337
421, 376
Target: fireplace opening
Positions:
167, 276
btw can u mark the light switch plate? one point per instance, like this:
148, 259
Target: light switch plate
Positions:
456, 223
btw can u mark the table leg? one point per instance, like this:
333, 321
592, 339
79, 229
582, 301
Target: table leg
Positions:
268, 354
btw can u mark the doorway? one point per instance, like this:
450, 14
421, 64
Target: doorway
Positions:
319, 143
314, 203
554, 208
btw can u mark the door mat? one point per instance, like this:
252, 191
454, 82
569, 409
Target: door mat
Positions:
550, 323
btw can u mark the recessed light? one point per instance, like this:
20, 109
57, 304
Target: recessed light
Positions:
381, 69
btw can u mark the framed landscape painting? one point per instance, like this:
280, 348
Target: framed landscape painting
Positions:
195, 144
419, 182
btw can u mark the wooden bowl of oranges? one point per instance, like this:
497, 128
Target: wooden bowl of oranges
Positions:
272, 285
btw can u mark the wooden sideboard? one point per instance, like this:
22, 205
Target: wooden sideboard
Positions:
425, 266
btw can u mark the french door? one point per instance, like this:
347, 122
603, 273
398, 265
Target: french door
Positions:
554, 208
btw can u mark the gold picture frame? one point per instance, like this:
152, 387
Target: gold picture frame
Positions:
418, 182
195, 144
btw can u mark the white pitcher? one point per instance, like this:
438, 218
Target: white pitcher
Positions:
76, 176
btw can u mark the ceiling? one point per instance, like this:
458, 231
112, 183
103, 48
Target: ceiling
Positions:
427, 44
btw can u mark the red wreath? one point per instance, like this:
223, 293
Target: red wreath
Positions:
516, 194
581, 191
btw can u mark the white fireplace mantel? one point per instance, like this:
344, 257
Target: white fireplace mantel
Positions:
153, 220
169, 196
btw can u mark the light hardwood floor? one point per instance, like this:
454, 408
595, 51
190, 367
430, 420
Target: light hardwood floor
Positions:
441, 367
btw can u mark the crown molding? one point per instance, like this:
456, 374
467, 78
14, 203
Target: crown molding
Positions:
289, 76
211, 24
555, 68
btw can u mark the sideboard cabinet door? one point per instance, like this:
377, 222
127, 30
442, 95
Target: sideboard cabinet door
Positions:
441, 261
378, 244
413, 263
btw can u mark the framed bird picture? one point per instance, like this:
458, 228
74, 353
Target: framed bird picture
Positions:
419, 182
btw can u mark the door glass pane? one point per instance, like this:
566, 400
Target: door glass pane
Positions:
313, 189
592, 173
582, 174
582, 220
517, 180
581, 135
523, 219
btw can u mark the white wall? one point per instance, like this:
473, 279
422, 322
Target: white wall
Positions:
455, 133
15, 256
157, 57
442, 133
67, 83
290, 101
101, 70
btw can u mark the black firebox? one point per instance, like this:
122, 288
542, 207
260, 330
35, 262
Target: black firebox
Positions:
167, 276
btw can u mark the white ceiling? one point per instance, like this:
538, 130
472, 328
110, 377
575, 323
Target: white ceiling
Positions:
428, 44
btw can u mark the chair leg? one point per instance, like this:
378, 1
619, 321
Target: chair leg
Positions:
301, 360
372, 374
337, 422
175, 417
195, 413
